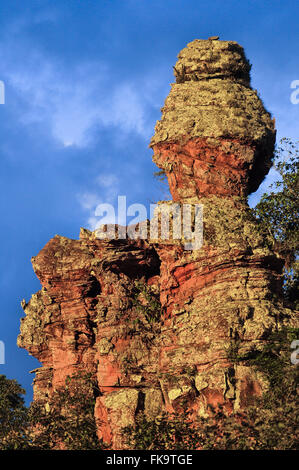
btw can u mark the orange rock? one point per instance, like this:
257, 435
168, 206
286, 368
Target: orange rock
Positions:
152, 322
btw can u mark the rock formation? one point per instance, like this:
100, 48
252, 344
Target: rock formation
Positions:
155, 323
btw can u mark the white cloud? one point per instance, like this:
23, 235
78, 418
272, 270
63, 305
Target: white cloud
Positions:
92, 223
89, 201
107, 180
59, 98
109, 185
73, 103
127, 110
108, 189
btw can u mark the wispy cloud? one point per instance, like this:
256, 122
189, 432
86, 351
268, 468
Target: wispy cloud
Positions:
73, 103
107, 185
59, 100
89, 201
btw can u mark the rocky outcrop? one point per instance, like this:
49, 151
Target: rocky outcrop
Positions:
155, 323
215, 136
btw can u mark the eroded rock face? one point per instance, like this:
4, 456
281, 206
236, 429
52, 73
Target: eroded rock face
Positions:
153, 322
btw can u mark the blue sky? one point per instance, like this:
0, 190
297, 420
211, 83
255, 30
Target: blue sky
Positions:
84, 84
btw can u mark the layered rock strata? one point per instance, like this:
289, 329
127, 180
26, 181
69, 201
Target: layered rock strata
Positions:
155, 323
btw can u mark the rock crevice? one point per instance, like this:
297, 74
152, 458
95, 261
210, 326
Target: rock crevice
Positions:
153, 322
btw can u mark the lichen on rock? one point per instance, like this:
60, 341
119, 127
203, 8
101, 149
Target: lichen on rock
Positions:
158, 326
204, 59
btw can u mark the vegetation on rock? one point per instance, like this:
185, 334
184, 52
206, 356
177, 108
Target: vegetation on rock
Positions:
13, 415
163, 326
65, 421
278, 214
269, 423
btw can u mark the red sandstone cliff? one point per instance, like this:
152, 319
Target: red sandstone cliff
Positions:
153, 321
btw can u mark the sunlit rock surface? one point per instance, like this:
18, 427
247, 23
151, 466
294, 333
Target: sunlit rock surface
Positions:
157, 324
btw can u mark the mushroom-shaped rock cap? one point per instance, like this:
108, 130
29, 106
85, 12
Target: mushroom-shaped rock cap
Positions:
203, 59
211, 100
210, 104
